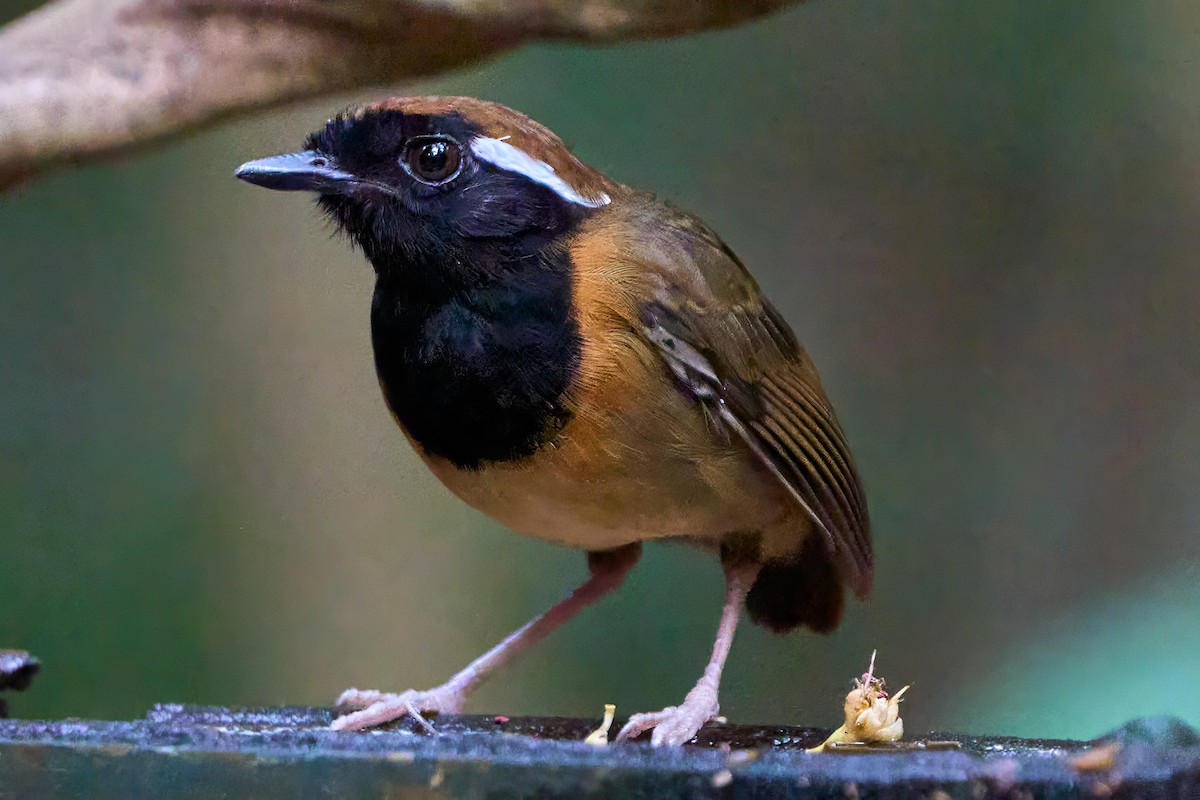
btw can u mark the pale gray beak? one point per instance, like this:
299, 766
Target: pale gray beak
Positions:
306, 171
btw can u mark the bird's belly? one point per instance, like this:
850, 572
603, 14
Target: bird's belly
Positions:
623, 475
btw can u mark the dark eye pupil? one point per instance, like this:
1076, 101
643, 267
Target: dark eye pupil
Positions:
434, 161
434, 157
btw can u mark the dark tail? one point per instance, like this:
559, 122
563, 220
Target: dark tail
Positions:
804, 591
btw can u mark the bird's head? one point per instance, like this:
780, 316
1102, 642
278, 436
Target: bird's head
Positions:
418, 179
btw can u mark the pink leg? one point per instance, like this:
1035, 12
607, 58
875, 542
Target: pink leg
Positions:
608, 572
679, 724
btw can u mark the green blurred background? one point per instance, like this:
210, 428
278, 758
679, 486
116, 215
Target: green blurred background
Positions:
980, 218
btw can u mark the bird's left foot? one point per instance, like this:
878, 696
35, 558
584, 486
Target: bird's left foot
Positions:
674, 724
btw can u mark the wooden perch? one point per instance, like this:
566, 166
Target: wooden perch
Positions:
84, 79
180, 752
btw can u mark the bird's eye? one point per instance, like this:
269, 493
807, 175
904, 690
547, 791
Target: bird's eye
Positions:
432, 160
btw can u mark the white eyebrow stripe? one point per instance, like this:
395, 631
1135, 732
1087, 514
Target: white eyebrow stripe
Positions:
502, 155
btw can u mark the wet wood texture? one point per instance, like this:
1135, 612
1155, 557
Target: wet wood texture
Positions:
182, 752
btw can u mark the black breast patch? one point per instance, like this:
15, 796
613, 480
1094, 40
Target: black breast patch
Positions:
480, 375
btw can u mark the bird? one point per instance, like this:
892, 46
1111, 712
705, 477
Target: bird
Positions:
586, 364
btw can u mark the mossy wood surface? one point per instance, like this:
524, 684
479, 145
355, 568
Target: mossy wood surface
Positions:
182, 752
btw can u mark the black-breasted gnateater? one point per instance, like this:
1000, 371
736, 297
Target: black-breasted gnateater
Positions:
588, 365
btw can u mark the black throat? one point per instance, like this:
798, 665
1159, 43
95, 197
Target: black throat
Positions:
476, 347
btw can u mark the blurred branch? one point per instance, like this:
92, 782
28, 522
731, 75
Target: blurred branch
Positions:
84, 79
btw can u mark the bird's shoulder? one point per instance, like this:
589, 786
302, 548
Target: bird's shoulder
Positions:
677, 271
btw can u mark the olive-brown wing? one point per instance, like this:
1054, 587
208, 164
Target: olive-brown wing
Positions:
730, 350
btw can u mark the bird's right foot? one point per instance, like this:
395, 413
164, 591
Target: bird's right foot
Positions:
376, 708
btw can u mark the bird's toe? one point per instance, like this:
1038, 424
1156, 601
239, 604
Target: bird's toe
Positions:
674, 725
377, 708
358, 699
